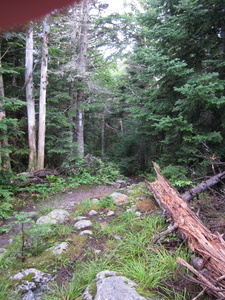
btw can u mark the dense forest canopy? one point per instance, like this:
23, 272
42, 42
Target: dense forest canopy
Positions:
130, 87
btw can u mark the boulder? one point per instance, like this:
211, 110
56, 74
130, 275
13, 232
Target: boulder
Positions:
119, 198
32, 282
83, 224
110, 286
54, 217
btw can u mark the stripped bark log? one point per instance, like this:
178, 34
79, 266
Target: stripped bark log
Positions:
210, 247
189, 195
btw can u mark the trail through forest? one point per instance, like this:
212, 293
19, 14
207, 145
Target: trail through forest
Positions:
64, 200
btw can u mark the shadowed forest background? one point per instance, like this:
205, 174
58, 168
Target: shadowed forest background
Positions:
143, 85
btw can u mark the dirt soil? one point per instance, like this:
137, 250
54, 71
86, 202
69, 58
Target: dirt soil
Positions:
64, 200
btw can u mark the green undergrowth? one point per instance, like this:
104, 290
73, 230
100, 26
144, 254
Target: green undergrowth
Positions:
19, 190
125, 243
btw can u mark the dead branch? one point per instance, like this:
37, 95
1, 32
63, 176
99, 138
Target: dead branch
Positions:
189, 195
168, 231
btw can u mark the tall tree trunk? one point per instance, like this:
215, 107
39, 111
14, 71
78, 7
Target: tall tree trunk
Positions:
42, 98
30, 100
74, 35
103, 134
5, 164
81, 73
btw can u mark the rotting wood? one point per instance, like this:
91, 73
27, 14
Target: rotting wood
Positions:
210, 247
194, 192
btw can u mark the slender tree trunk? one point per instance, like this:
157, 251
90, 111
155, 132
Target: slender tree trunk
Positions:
103, 134
5, 164
81, 73
30, 100
74, 35
42, 98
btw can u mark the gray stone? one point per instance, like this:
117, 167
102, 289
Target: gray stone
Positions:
2, 252
131, 209
110, 286
92, 212
33, 287
94, 201
89, 232
138, 214
59, 249
119, 184
119, 198
54, 217
110, 213
83, 224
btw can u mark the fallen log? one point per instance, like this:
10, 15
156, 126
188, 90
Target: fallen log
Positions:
210, 247
189, 195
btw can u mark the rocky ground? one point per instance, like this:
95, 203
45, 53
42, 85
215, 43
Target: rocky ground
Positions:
65, 200
210, 214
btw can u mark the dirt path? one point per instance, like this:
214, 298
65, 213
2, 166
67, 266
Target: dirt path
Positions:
69, 199
64, 200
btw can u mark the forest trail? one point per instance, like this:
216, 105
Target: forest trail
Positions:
65, 200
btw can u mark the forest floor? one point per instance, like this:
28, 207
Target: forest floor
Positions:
65, 200
211, 213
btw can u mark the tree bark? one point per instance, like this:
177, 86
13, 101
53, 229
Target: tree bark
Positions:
5, 164
42, 98
189, 195
30, 100
81, 74
210, 247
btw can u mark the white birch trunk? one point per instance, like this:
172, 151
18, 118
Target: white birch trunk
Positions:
30, 99
5, 164
42, 98
81, 72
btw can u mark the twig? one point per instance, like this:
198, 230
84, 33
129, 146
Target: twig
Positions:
205, 281
200, 294
168, 231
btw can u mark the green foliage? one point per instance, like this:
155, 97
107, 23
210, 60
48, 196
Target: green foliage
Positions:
177, 175
106, 202
6, 202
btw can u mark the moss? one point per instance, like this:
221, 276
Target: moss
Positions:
29, 277
143, 292
93, 289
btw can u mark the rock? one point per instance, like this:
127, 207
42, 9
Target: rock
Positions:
119, 198
94, 201
32, 283
83, 224
59, 249
110, 213
117, 237
131, 209
92, 212
89, 232
54, 217
2, 252
119, 184
138, 213
110, 286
